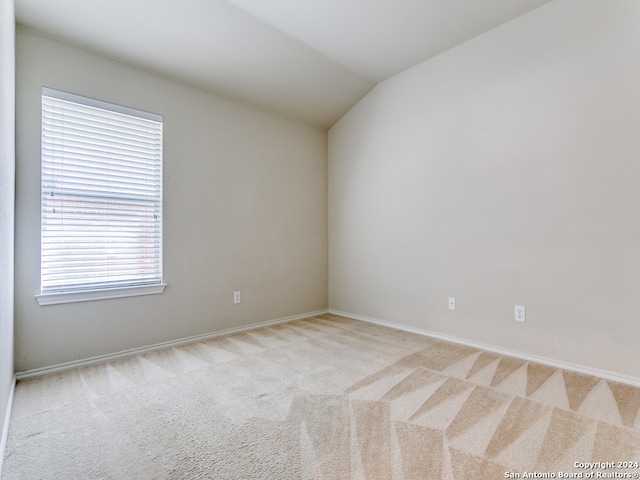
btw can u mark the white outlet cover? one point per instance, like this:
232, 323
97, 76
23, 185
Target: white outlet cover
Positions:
519, 313
237, 298
452, 303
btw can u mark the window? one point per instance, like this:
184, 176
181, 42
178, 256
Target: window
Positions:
101, 212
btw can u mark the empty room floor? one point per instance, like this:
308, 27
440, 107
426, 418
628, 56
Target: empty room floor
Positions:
320, 398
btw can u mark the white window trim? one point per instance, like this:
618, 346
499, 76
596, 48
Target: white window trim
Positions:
55, 298
90, 295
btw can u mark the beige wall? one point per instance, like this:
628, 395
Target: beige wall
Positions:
245, 208
7, 193
502, 172
505, 171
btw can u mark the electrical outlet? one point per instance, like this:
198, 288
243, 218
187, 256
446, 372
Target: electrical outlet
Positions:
237, 298
452, 303
519, 313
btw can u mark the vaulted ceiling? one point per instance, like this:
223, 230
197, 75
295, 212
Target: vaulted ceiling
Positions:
310, 60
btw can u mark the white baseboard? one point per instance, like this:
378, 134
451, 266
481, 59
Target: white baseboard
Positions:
607, 375
36, 372
5, 425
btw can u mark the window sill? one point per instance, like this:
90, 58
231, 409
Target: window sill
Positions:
90, 295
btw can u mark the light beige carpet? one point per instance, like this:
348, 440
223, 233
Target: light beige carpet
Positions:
323, 398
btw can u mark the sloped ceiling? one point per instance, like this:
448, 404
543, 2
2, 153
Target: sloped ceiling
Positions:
310, 60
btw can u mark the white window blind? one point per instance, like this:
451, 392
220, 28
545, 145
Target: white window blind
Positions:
101, 224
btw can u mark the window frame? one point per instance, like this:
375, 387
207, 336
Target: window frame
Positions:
81, 294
